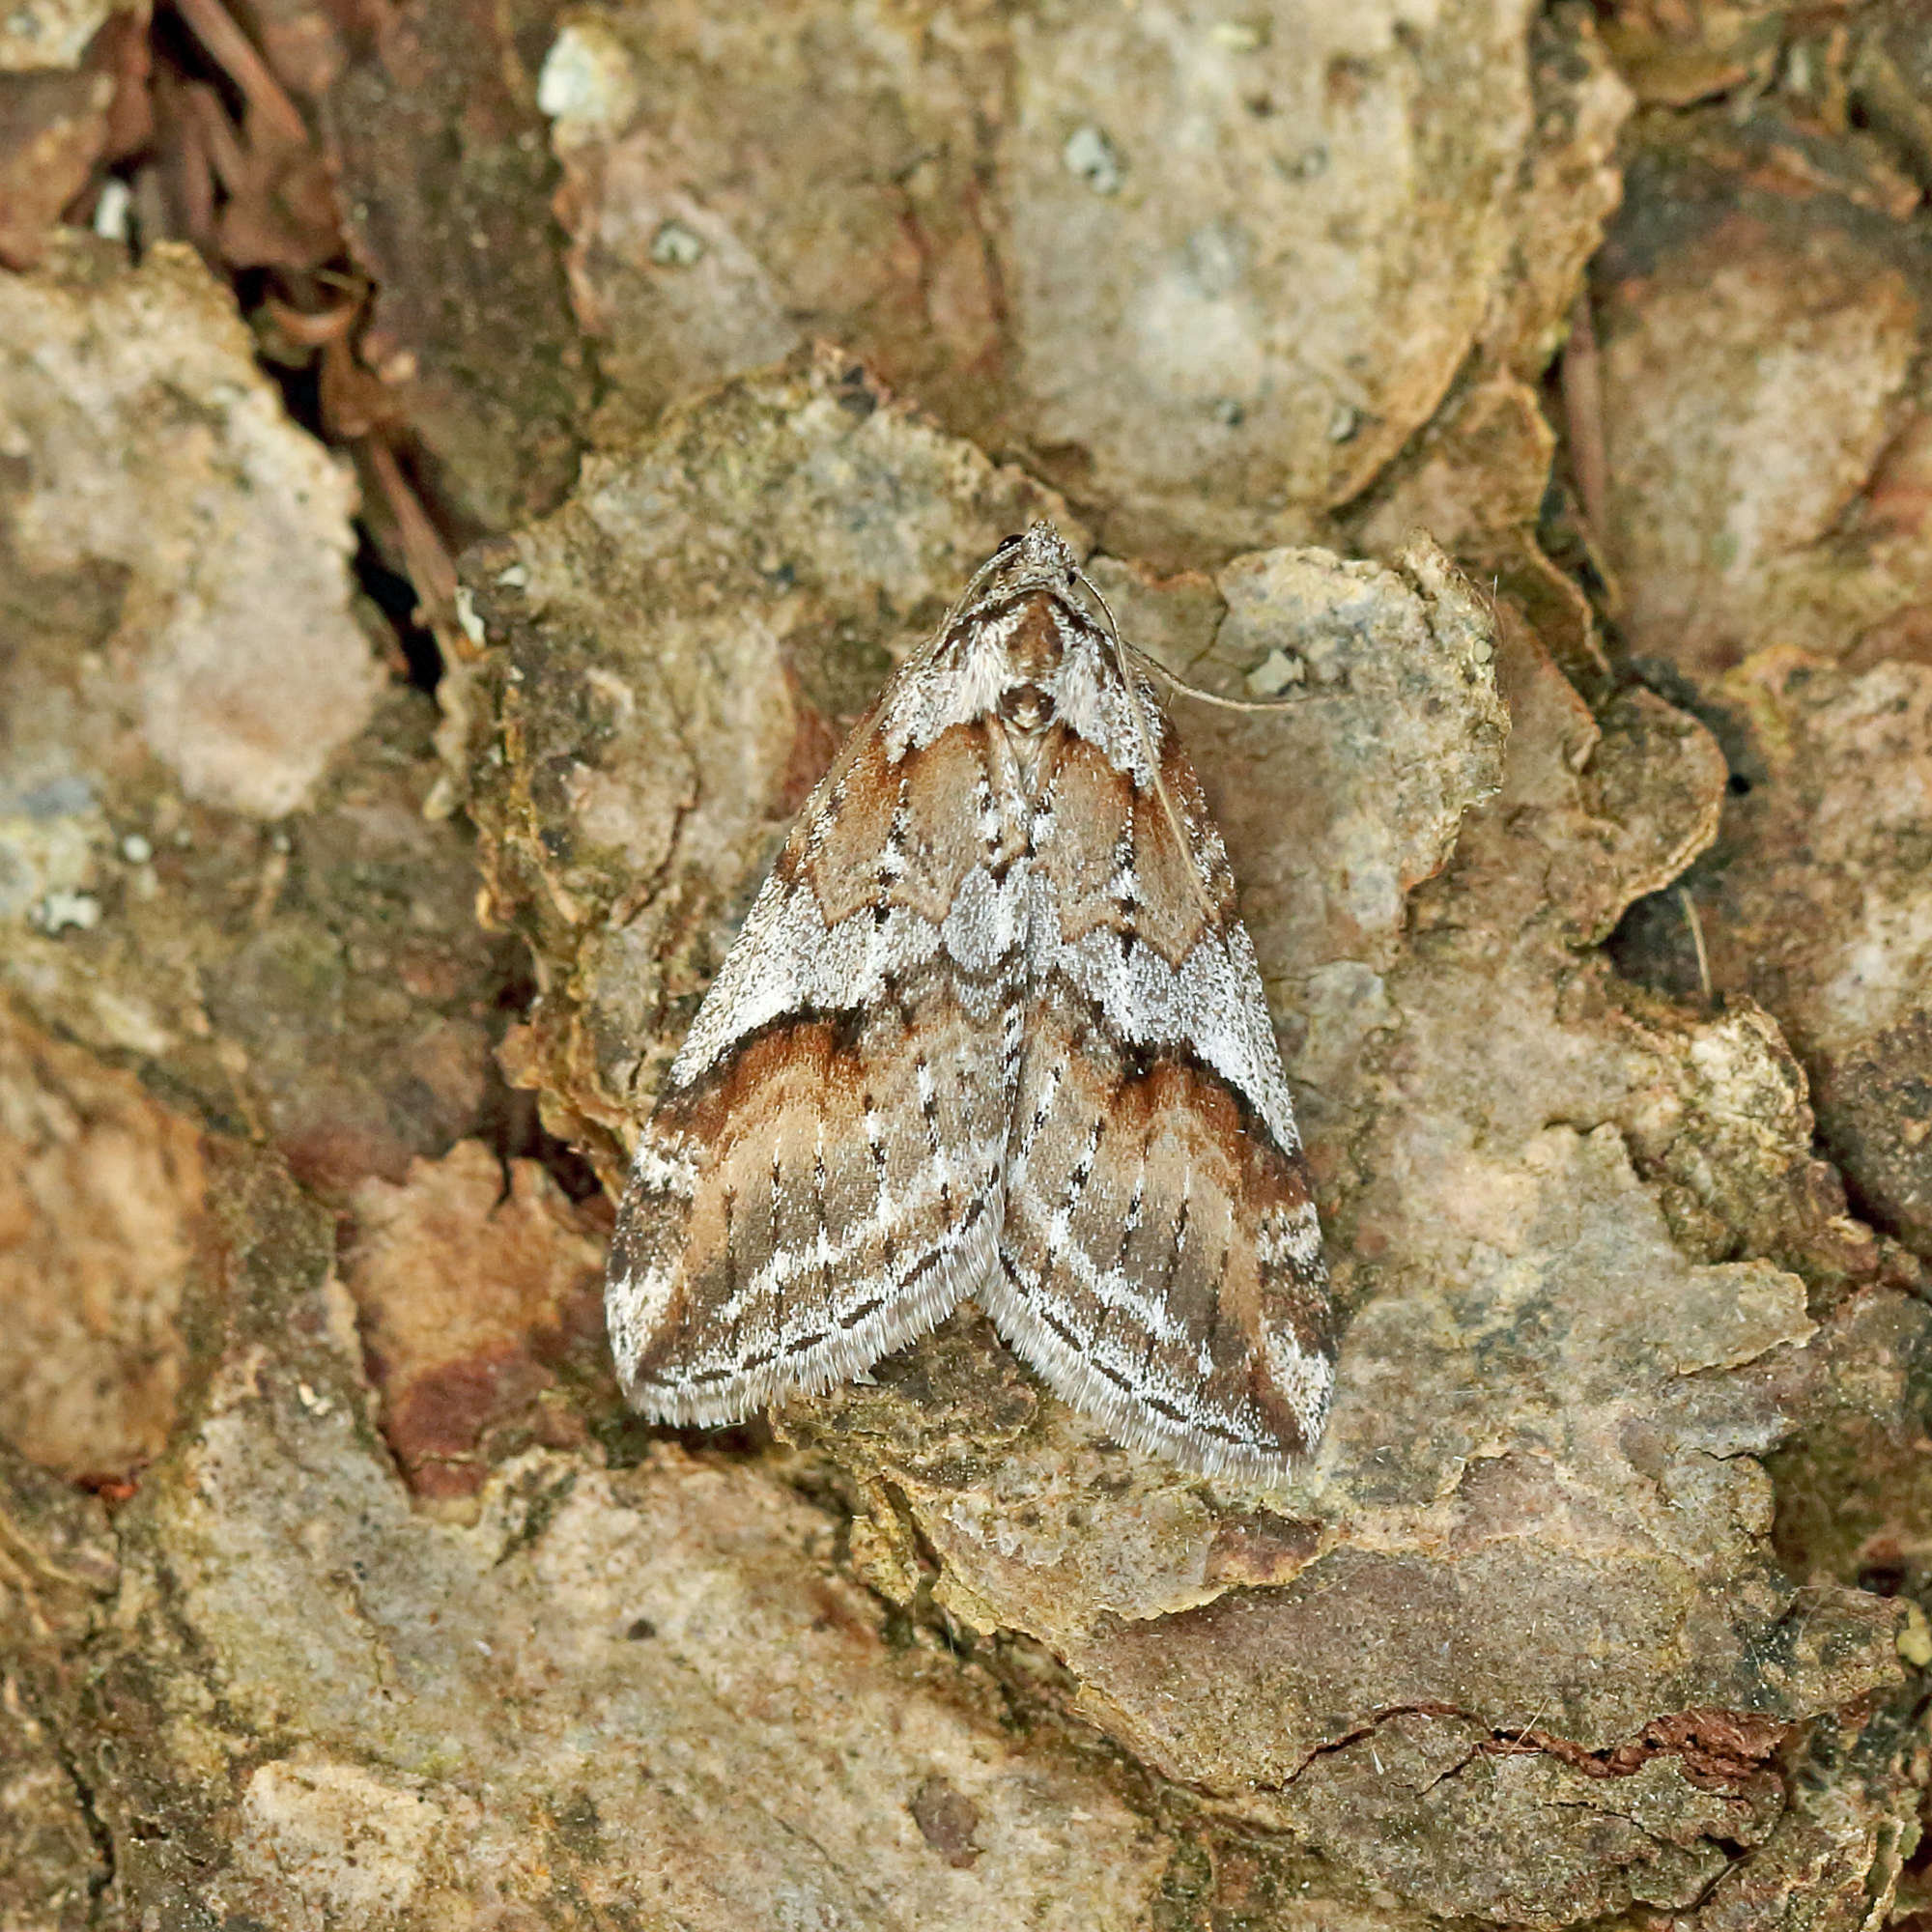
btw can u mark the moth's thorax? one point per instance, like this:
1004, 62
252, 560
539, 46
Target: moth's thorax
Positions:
1035, 647
1036, 641
1015, 649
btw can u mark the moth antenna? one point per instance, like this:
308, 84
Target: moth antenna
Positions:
1137, 710
960, 604
1173, 680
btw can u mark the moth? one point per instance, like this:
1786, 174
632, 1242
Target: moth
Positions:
992, 1030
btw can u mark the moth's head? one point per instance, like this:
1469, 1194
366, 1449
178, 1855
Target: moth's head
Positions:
1031, 583
1038, 558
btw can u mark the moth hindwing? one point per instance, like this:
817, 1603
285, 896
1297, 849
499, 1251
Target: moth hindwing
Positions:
994, 1030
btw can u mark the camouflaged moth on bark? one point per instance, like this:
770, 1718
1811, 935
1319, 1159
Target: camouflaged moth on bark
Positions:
993, 1030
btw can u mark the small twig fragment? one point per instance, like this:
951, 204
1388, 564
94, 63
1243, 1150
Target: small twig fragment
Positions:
231, 49
1696, 925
